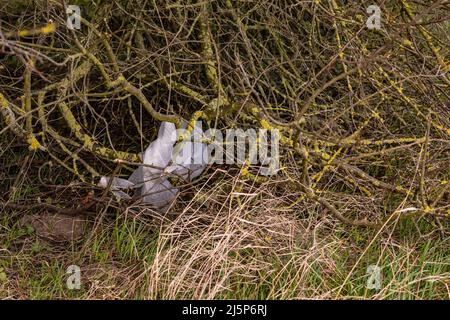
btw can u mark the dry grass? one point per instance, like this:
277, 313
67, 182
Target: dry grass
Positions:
217, 248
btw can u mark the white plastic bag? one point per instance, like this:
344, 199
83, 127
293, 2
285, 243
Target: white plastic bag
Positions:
150, 179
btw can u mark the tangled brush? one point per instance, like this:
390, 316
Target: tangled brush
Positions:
363, 114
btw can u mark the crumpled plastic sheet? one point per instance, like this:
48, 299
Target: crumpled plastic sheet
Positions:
149, 181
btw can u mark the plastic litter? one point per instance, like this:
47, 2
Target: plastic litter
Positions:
161, 159
117, 185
